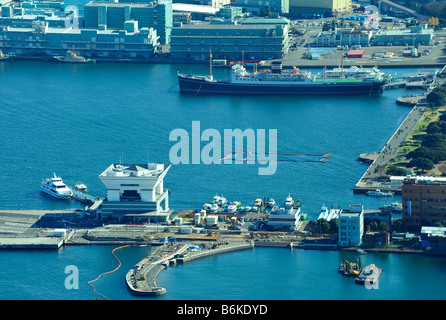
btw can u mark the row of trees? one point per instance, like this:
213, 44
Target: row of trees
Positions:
437, 97
324, 226
433, 147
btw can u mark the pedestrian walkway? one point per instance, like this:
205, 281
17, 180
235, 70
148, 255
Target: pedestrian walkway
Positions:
369, 181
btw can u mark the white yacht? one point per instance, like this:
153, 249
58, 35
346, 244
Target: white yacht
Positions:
289, 201
379, 193
56, 188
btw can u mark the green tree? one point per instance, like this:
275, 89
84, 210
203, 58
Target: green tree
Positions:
265, 12
396, 171
334, 225
422, 163
398, 225
374, 226
311, 223
324, 226
383, 226
422, 152
437, 96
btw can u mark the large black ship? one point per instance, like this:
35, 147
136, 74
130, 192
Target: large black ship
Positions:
278, 82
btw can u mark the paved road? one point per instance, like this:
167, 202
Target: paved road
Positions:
389, 151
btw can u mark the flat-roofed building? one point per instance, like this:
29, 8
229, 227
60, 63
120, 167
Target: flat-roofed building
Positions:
197, 11
135, 192
351, 226
230, 41
424, 202
299, 7
256, 6
40, 40
413, 36
344, 36
230, 12
156, 15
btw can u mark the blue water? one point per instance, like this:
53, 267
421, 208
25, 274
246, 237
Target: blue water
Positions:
76, 120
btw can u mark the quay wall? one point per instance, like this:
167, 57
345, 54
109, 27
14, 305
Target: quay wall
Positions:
218, 250
285, 63
154, 290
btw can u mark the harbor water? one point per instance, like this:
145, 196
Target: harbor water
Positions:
75, 120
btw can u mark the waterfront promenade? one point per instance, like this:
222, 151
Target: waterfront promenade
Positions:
370, 179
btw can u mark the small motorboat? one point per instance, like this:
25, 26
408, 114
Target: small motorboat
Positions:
271, 203
360, 251
81, 187
379, 193
232, 208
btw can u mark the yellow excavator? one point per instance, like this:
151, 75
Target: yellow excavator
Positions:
350, 268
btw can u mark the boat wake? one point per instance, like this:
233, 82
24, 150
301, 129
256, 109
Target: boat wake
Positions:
278, 157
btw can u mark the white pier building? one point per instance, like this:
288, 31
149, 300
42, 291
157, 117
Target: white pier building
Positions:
135, 193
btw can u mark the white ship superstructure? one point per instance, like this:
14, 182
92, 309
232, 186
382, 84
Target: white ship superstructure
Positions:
56, 188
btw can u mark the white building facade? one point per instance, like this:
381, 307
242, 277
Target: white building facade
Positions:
135, 192
351, 226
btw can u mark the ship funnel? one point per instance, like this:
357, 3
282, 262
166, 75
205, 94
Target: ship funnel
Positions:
276, 67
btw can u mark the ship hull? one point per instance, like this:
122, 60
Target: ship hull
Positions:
200, 86
62, 59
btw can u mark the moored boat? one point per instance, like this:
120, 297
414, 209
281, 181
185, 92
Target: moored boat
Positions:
395, 207
81, 187
232, 208
56, 188
379, 193
4, 57
271, 203
71, 57
278, 82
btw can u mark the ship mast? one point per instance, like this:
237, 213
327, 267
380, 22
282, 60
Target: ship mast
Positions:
210, 64
342, 71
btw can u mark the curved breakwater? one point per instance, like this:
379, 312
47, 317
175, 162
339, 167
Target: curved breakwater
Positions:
141, 280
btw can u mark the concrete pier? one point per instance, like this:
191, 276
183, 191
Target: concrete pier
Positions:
369, 181
141, 280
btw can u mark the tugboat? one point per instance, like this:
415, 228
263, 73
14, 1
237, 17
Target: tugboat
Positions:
56, 188
71, 57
